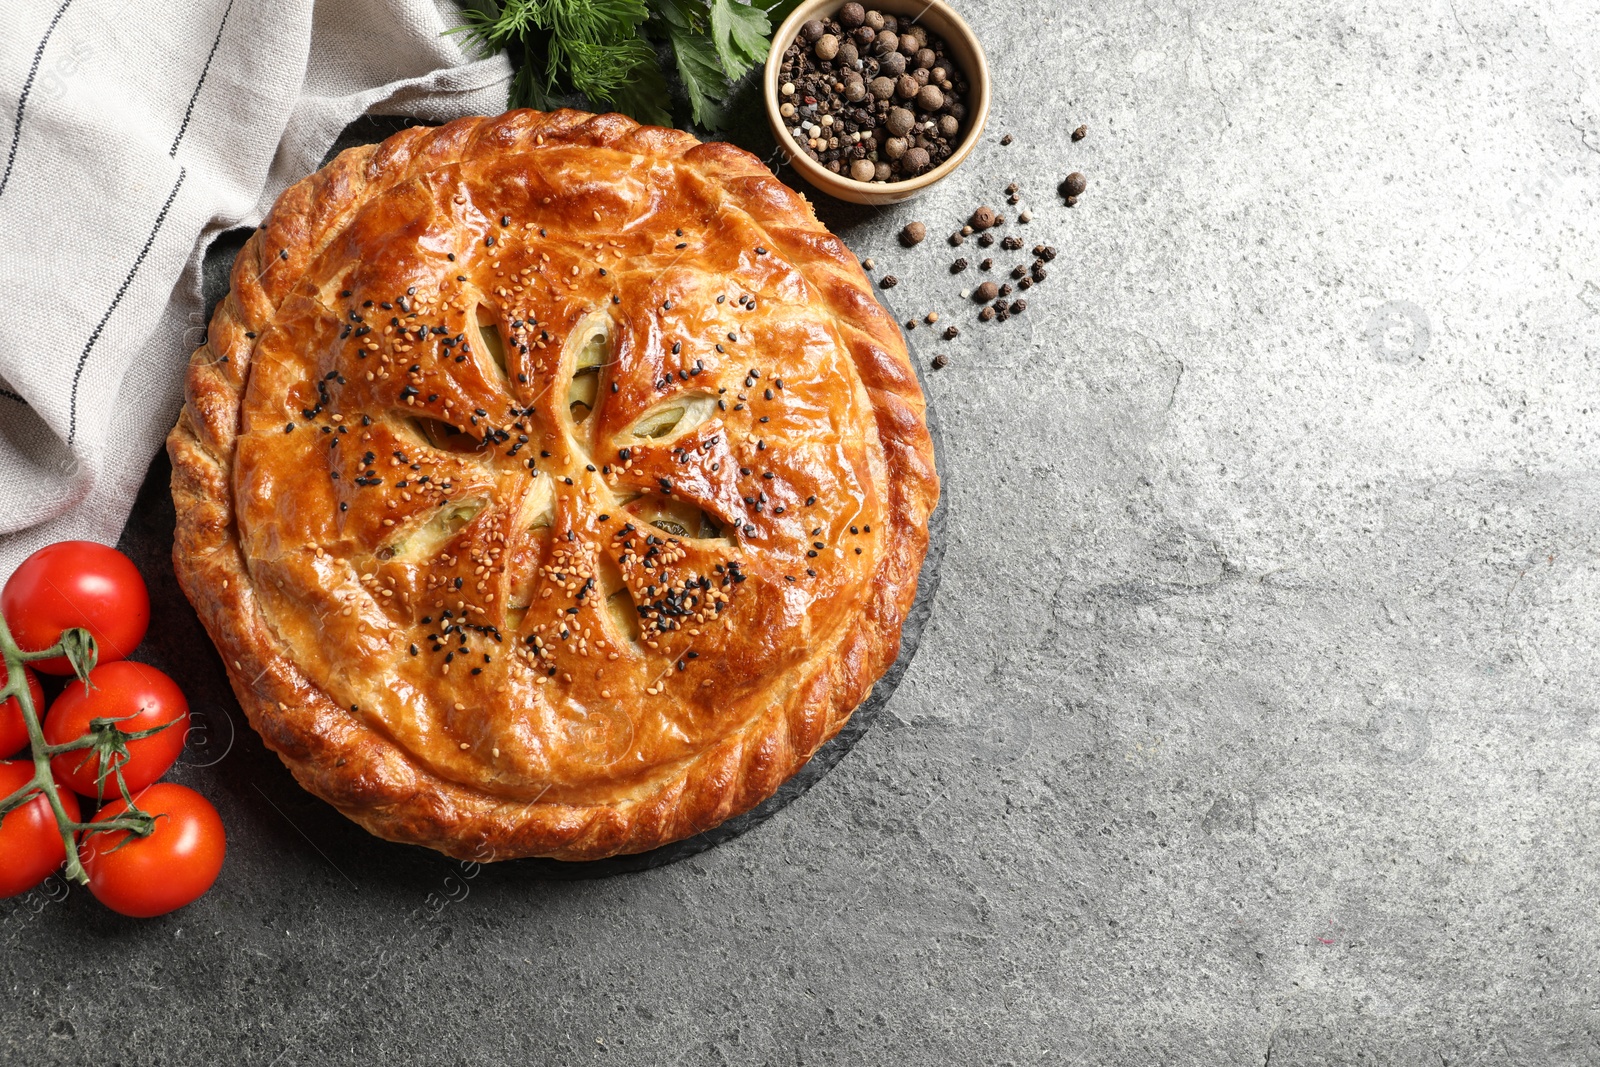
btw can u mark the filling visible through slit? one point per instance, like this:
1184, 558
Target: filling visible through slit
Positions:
676, 517
619, 602
538, 506
445, 437
586, 364
433, 533
676, 417
484, 320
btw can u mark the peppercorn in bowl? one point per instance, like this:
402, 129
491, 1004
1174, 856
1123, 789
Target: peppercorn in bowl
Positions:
873, 103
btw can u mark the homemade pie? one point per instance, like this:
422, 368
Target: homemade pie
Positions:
551, 485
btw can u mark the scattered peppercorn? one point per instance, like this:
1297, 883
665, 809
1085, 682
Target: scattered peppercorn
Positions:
985, 292
940, 361
1006, 139
889, 281
958, 266
1074, 184
982, 218
1080, 133
951, 333
913, 234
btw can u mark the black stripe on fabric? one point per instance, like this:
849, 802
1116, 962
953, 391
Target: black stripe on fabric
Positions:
9, 395
27, 87
72, 424
205, 70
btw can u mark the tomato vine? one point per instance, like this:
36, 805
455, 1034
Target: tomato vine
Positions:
107, 741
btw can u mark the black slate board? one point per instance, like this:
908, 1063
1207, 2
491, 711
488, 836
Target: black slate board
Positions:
224, 754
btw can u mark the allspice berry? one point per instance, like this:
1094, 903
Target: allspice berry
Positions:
986, 292
900, 121
811, 30
863, 170
892, 65
915, 161
874, 20
882, 88
827, 46
906, 87
1074, 185
929, 98
886, 42
982, 218
852, 15
913, 234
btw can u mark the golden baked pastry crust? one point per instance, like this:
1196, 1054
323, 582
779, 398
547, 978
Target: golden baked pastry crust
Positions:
406, 468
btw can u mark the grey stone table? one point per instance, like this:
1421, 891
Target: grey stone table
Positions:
1255, 721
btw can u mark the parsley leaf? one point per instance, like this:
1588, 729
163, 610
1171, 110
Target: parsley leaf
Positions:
740, 35
702, 79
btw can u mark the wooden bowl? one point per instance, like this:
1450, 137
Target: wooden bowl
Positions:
961, 44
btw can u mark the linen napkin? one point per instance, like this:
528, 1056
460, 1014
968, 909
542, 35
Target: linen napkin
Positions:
131, 133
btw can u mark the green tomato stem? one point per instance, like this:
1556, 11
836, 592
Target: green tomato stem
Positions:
16, 688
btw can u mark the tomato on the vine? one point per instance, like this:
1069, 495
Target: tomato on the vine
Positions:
30, 844
139, 697
175, 865
76, 583
13, 730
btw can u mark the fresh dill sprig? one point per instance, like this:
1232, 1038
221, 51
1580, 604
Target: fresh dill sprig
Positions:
610, 50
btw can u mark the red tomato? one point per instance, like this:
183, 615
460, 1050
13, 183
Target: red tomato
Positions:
13, 731
30, 844
172, 867
116, 691
76, 583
